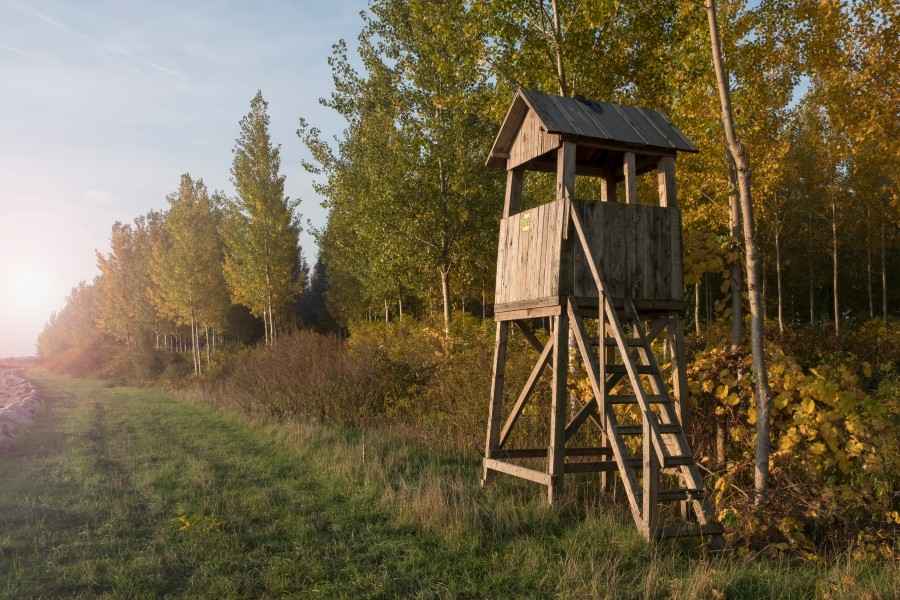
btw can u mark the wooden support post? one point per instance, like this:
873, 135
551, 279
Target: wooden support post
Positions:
495, 409
665, 178
565, 190
679, 384
629, 170
679, 369
608, 183
511, 204
512, 201
556, 453
649, 482
603, 352
565, 171
608, 189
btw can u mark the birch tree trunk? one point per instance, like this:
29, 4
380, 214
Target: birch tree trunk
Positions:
742, 163
445, 295
869, 263
272, 327
834, 268
734, 222
778, 280
883, 276
697, 309
557, 49
208, 359
194, 346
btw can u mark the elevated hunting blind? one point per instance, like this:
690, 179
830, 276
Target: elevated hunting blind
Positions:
616, 262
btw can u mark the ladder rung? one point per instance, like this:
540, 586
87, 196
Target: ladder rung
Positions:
591, 467
690, 530
640, 369
676, 494
678, 461
638, 429
669, 428
612, 342
631, 399
629, 429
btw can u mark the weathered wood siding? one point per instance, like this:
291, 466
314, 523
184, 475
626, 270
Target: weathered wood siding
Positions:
531, 141
528, 261
638, 248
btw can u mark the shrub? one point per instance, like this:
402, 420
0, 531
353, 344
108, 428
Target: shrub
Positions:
835, 463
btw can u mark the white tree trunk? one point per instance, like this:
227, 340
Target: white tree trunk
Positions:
697, 309
742, 163
884, 311
869, 263
557, 50
734, 223
834, 268
778, 280
445, 296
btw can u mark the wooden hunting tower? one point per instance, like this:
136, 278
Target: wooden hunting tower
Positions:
618, 262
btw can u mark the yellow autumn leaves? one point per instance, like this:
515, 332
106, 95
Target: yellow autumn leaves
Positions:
834, 455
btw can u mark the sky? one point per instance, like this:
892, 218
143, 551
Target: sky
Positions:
103, 104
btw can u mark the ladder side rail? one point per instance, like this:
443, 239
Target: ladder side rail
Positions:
619, 449
690, 474
630, 368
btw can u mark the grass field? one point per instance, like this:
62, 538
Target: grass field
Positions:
131, 493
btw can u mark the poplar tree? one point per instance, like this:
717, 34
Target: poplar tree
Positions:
187, 265
126, 311
260, 229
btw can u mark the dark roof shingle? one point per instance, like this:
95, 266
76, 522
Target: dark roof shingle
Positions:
585, 118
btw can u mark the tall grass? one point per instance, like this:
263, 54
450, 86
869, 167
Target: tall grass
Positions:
587, 548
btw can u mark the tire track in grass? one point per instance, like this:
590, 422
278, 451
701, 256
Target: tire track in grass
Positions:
173, 499
293, 536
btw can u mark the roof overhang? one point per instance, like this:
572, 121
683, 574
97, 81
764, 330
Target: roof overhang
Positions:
627, 129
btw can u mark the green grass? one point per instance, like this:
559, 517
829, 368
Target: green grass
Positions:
130, 493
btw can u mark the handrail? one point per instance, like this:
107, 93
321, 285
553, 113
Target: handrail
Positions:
606, 306
595, 270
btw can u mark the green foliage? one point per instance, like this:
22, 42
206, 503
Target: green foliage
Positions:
126, 310
835, 462
260, 229
187, 263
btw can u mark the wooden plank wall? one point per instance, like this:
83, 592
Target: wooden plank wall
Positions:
528, 261
638, 246
531, 141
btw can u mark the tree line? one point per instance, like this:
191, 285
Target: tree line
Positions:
792, 99
182, 278
414, 213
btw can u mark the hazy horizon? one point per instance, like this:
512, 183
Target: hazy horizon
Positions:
107, 104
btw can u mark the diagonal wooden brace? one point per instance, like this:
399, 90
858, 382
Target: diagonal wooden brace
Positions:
526, 392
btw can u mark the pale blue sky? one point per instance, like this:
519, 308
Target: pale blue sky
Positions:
103, 104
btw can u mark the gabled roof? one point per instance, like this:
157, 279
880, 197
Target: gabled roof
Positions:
579, 117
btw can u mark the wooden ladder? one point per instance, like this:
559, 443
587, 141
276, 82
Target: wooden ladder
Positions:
664, 443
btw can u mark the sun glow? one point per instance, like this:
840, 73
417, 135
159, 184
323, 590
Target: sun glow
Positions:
29, 288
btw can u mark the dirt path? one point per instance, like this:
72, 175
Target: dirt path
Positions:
18, 404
